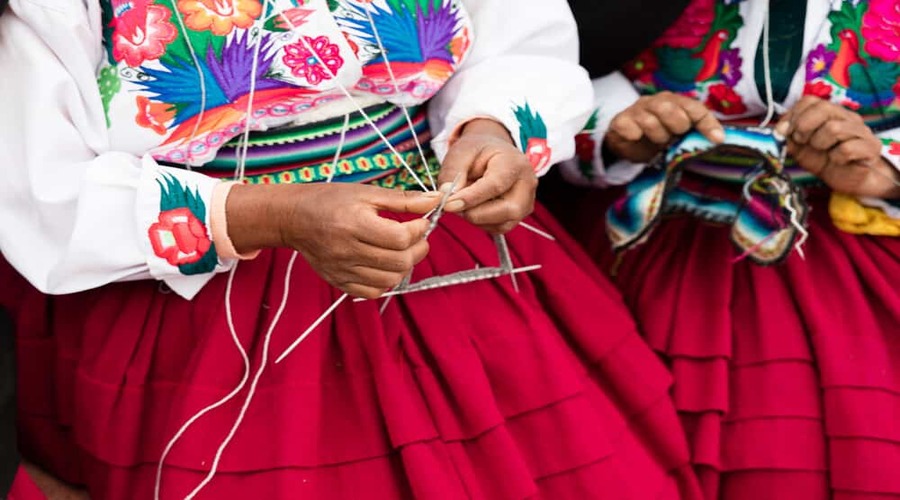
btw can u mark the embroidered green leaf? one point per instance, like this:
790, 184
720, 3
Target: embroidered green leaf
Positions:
109, 85
727, 18
175, 195
592, 121
531, 125
106, 18
849, 16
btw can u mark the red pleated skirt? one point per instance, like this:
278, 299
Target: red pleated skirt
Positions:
23, 488
474, 391
787, 378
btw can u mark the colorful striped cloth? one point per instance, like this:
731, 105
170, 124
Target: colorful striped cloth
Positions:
306, 153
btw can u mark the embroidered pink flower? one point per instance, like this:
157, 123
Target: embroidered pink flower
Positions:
219, 16
881, 29
153, 115
818, 89
538, 152
141, 31
179, 237
693, 25
819, 62
725, 100
315, 65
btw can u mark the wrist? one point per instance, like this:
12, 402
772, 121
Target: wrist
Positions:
253, 218
486, 126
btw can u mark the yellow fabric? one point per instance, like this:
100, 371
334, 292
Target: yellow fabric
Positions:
851, 216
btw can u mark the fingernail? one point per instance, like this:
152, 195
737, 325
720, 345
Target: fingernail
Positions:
431, 194
455, 206
446, 187
782, 128
717, 135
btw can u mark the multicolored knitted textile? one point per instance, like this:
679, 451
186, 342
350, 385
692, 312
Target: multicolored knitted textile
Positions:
742, 183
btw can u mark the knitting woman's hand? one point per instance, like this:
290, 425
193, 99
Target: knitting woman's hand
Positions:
835, 144
498, 182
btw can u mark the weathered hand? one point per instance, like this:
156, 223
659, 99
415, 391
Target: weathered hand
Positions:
650, 124
835, 144
499, 182
337, 229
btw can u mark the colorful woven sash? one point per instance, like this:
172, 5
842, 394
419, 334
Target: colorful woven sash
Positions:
306, 153
741, 182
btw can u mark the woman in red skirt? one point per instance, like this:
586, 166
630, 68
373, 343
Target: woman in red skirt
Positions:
154, 374
769, 286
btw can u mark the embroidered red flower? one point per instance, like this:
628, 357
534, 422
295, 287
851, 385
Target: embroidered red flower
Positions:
642, 67
881, 30
141, 31
584, 147
153, 115
725, 100
538, 152
315, 66
818, 89
894, 148
179, 237
851, 104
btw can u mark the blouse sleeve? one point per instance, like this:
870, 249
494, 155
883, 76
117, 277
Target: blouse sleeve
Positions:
522, 71
75, 215
612, 95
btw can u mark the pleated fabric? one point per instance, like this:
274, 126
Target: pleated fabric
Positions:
787, 378
474, 391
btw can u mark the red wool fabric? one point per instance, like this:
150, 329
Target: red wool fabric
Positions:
787, 378
473, 391
23, 488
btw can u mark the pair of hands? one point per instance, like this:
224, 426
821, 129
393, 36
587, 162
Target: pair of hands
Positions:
827, 140
338, 230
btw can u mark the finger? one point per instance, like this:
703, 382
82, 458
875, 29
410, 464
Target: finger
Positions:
625, 127
672, 116
362, 291
390, 234
513, 206
507, 169
501, 228
784, 124
703, 119
834, 132
805, 123
398, 201
810, 159
371, 277
459, 161
652, 127
852, 151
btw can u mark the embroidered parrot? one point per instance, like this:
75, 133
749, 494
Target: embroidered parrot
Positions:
533, 136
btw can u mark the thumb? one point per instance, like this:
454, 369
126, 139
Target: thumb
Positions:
410, 202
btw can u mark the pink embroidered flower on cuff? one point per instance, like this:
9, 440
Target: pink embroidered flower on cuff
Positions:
179, 237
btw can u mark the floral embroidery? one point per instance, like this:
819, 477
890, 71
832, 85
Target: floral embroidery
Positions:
219, 16
153, 115
894, 148
533, 136
881, 30
725, 100
179, 236
141, 31
585, 146
312, 65
730, 67
819, 62
692, 27
819, 89
642, 67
